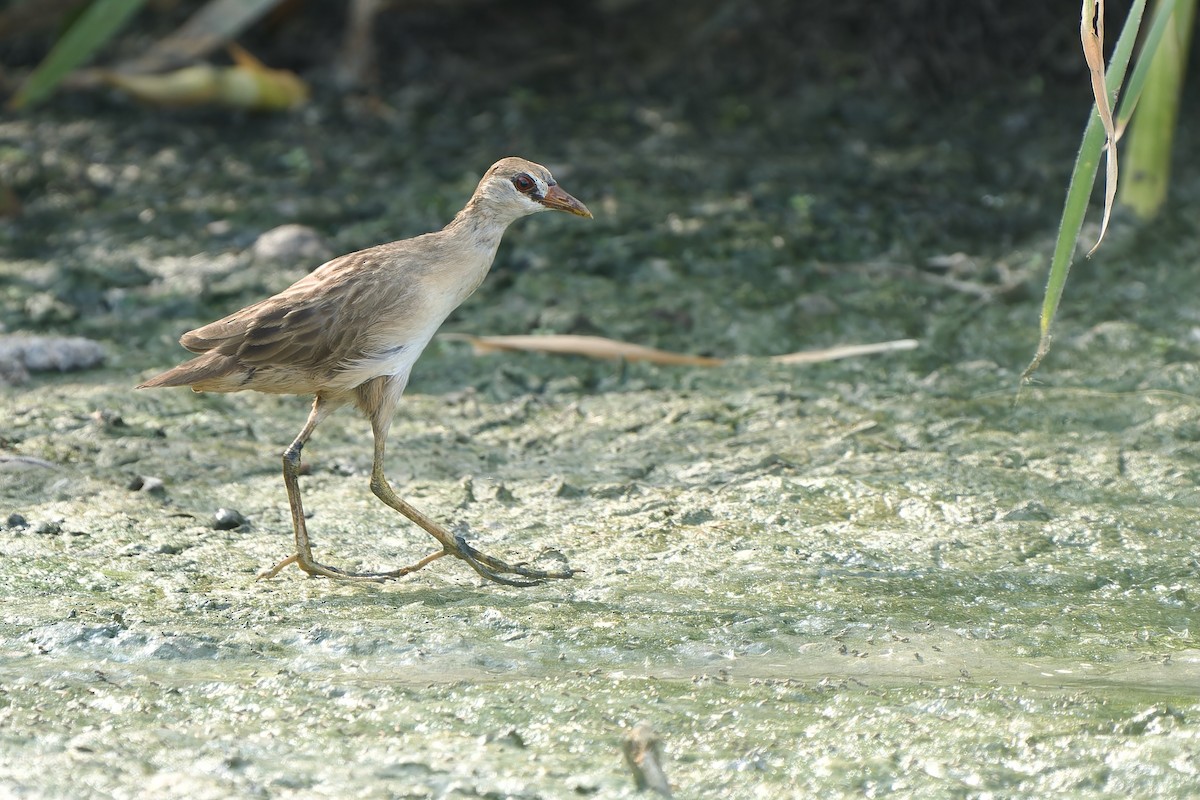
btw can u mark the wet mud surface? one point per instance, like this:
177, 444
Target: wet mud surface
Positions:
891, 575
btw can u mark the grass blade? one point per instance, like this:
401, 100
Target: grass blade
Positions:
1150, 43
1079, 189
94, 27
1149, 149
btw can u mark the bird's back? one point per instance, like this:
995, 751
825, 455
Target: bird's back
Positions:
300, 340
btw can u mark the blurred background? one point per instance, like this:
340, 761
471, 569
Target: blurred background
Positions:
766, 175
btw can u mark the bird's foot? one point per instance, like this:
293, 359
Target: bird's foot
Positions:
320, 570
488, 566
494, 569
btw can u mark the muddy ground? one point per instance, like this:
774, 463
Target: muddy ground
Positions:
891, 575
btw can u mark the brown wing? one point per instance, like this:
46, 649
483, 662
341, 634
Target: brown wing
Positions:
302, 327
292, 342
271, 345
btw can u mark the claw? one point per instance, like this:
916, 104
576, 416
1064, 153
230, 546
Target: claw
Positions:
491, 568
315, 570
488, 566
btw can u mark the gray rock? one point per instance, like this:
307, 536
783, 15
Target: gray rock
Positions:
21, 355
226, 519
295, 245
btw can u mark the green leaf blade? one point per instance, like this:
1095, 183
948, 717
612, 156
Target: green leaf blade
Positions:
94, 28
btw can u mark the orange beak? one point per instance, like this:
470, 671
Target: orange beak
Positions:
559, 200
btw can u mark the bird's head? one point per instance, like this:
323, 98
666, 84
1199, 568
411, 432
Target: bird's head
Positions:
514, 187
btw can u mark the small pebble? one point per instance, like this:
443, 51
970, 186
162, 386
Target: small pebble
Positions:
148, 484
108, 418
1029, 511
509, 737
583, 784
696, 516
226, 519
297, 245
569, 491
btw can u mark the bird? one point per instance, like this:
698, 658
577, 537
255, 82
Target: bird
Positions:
350, 332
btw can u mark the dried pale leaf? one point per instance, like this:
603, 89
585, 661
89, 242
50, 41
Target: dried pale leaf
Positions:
590, 346
183, 87
1091, 35
248, 84
845, 351
261, 87
602, 348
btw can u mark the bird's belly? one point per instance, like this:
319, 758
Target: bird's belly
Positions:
397, 359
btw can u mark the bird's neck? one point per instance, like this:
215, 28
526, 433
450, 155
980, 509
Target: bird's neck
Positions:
470, 242
478, 224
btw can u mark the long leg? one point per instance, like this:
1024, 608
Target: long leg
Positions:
379, 402
303, 557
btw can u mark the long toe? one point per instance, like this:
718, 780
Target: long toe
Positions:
317, 570
494, 569
271, 572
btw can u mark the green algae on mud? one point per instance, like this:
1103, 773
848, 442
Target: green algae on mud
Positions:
805, 591
360, 728
886, 575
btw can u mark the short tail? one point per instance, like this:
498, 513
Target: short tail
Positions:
171, 377
200, 369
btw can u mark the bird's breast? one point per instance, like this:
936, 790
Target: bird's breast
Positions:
400, 329
387, 357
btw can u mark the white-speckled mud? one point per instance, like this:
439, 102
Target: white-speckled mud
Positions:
889, 576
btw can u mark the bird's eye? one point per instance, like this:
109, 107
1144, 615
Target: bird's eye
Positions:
524, 183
